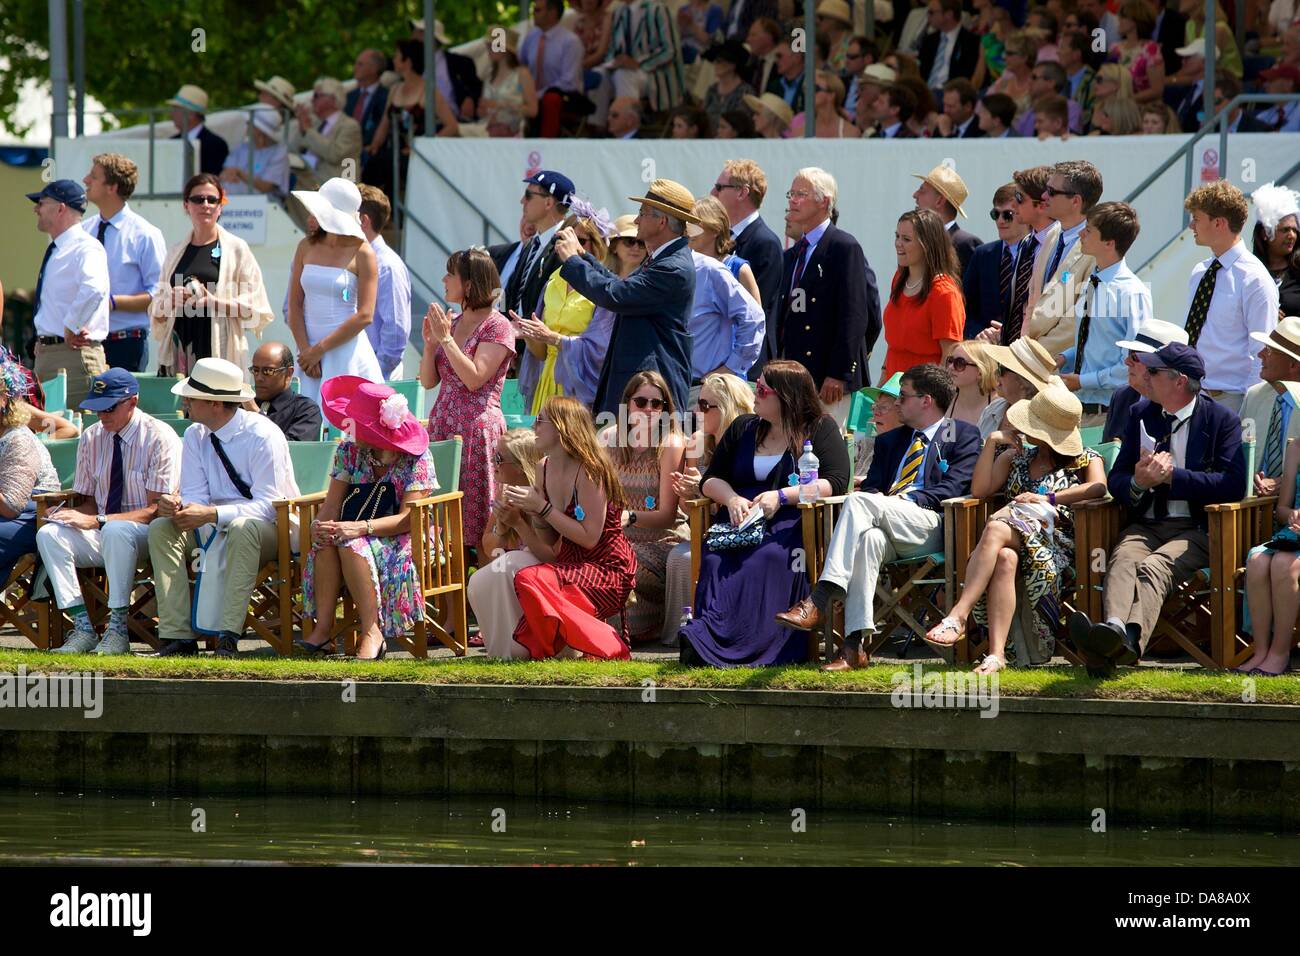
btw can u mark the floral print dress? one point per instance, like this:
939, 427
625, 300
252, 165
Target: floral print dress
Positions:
1046, 551
392, 568
475, 416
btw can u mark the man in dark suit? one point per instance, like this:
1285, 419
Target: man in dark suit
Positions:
986, 280
366, 104
188, 108
741, 187
653, 305
899, 512
948, 50
822, 315
894, 107
1171, 33
786, 80
742, 15
958, 120
1180, 453
545, 202
462, 82
942, 192
1226, 87
1130, 399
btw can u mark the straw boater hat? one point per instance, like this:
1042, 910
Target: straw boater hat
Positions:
1029, 359
278, 87
1284, 338
439, 33
336, 206
625, 227
1154, 334
948, 184
878, 74
773, 104
1052, 416
835, 10
374, 412
670, 197
190, 97
215, 380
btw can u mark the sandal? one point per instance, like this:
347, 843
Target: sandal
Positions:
992, 662
947, 624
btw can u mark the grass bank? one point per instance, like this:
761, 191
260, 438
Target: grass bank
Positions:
1143, 683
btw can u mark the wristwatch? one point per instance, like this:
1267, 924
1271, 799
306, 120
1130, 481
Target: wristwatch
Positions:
101, 520
370, 528
631, 518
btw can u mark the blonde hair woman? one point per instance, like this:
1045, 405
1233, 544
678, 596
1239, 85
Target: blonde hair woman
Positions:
1116, 117
515, 463
712, 238
25, 470
1015, 81
975, 373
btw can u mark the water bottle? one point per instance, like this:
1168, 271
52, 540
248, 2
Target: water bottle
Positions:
686, 617
808, 474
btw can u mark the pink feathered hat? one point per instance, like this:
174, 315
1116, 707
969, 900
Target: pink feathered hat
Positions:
374, 413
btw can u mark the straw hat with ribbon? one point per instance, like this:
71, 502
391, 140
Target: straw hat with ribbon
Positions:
947, 184
190, 97
215, 380
773, 104
671, 198
1285, 337
1030, 360
1050, 418
336, 206
278, 87
835, 10
625, 227
374, 413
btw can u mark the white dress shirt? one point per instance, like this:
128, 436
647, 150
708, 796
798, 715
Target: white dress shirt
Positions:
259, 453
1245, 300
741, 226
136, 252
1178, 507
75, 290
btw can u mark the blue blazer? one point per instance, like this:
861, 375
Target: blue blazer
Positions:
965, 243
956, 443
982, 290
761, 247
653, 309
1216, 464
375, 107
213, 151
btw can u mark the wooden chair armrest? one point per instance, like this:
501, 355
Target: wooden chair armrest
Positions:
49, 500
1094, 504
1246, 504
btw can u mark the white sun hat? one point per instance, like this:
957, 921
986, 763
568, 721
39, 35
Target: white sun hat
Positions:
336, 206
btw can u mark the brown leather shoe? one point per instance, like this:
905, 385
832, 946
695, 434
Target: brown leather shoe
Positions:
848, 661
804, 616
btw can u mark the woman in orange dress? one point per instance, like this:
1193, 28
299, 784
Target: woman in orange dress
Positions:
925, 314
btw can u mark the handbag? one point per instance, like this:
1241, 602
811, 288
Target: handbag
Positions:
1284, 540
727, 537
369, 501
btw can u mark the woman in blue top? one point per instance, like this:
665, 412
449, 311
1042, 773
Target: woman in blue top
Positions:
712, 238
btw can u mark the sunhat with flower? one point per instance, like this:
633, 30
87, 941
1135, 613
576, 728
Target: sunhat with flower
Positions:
374, 413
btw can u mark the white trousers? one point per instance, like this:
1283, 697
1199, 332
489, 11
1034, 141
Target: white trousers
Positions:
491, 594
873, 529
120, 548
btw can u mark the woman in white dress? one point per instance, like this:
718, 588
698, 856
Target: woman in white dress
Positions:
332, 290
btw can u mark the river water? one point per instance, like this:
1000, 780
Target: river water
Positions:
52, 826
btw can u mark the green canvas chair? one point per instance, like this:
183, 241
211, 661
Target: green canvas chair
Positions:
156, 393
312, 463
513, 407
63, 453
56, 394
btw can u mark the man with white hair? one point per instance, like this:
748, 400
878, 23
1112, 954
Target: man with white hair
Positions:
822, 314
326, 137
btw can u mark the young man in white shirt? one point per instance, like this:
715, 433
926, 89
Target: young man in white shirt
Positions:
389, 332
1229, 296
136, 252
72, 291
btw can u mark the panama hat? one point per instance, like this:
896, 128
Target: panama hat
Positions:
669, 197
336, 206
215, 380
439, 33
278, 87
773, 104
374, 413
835, 10
1284, 338
879, 74
1029, 359
948, 184
268, 120
1052, 416
892, 387
190, 97
625, 227
1154, 334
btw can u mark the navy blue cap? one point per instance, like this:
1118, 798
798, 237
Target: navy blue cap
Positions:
557, 184
108, 388
67, 191
1177, 356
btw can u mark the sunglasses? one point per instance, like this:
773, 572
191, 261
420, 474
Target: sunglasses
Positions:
957, 363
498, 459
204, 200
1006, 215
641, 402
1050, 191
1022, 198
534, 194
762, 391
704, 406
268, 369
719, 187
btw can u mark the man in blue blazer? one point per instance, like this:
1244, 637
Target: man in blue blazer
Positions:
898, 513
986, 279
1181, 452
366, 104
652, 306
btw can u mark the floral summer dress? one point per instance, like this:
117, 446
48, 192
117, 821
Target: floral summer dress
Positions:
392, 569
1046, 553
476, 417
640, 480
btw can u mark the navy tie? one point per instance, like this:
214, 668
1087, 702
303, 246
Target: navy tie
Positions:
115, 479
800, 248
103, 228
40, 278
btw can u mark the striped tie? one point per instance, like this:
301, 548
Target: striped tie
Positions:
1200, 309
1273, 447
1020, 296
1004, 277
907, 475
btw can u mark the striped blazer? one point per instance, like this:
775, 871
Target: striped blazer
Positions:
645, 31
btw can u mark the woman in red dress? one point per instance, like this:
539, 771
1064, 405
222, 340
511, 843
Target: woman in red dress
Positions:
588, 567
926, 314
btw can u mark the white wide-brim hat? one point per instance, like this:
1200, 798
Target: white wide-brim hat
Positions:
1153, 335
336, 206
215, 380
1285, 337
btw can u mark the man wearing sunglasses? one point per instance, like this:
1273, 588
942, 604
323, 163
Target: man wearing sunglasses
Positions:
986, 280
741, 187
1031, 255
295, 415
545, 202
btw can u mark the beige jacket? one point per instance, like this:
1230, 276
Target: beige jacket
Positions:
1051, 310
1257, 408
343, 142
239, 279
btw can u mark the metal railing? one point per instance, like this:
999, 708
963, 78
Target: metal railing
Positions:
1217, 123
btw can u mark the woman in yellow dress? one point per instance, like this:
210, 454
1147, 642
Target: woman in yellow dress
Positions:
565, 312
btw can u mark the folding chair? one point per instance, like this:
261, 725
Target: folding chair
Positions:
156, 393
513, 407
56, 393
63, 455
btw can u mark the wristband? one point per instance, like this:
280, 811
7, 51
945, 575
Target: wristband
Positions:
112, 302
1051, 499
780, 496
545, 511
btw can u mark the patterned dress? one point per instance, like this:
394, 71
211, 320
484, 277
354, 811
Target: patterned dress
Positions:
640, 480
475, 416
1046, 553
392, 569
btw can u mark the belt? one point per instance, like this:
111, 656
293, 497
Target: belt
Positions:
127, 334
49, 340
1094, 408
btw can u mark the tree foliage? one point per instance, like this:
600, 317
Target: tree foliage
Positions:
139, 52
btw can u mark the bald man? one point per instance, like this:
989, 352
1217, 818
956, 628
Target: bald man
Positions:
298, 417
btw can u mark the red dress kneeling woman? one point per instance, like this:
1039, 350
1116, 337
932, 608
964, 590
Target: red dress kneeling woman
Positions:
575, 568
